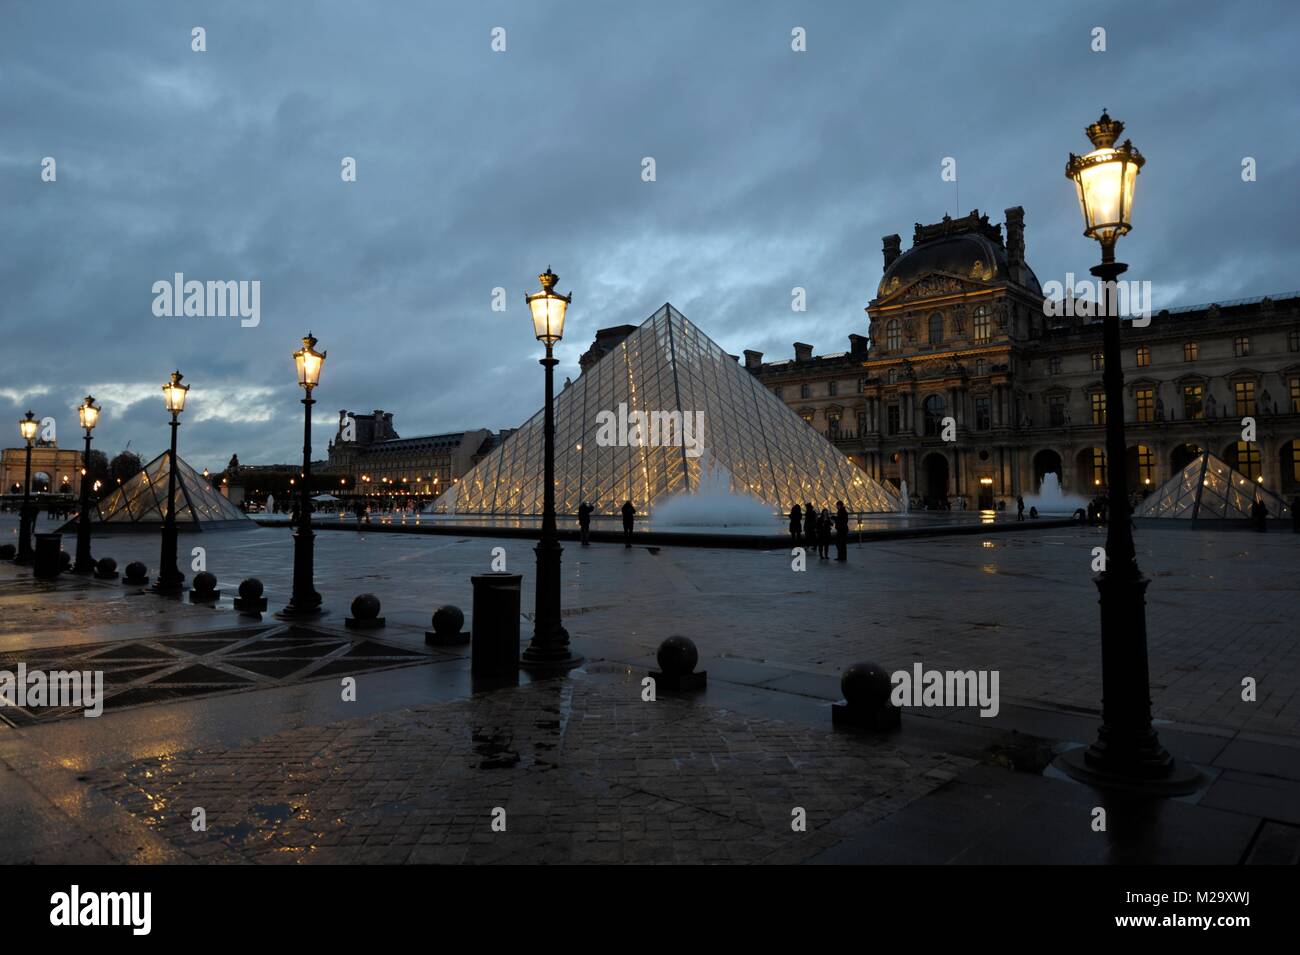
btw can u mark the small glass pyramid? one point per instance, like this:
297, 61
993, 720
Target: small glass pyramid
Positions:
143, 501
1208, 488
667, 368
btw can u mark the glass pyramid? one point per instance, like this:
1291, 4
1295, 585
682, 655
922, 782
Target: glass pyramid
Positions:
142, 501
667, 367
1208, 488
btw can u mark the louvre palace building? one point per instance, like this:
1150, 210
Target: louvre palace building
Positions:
958, 329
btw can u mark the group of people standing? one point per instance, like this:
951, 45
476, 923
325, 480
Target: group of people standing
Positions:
814, 530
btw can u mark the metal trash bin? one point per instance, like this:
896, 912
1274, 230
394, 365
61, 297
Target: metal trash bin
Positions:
494, 637
48, 548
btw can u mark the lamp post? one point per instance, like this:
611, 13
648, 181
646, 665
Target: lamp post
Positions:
170, 579
27, 427
305, 601
549, 648
1127, 753
88, 412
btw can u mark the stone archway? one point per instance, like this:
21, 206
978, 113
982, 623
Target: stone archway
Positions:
41, 482
1047, 462
1090, 471
934, 473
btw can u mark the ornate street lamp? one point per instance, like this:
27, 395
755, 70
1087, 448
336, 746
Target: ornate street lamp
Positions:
550, 644
170, 579
305, 601
88, 412
1127, 753
28, 428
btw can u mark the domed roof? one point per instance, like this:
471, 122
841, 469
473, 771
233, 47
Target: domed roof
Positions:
968, 247
967, 255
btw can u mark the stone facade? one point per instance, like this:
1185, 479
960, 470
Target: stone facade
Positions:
958, 329
55, 470
379, 460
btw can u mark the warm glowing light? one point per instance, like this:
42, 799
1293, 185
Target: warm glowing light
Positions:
1105, 180
28, 427
309, 362
548, 307
88, 412
174, 394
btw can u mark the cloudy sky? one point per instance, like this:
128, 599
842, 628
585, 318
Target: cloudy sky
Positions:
476, 169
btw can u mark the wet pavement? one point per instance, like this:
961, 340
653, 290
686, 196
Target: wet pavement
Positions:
246, 718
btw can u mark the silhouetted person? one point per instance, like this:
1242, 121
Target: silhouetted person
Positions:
796, 522
1259, 515
629, 515
1020, 508
824, 534
584, 522
1033, 514
810, 524
841, 531
1295, 513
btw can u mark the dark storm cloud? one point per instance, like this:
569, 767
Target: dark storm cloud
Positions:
478, 169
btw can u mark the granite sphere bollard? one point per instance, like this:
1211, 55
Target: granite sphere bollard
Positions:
866, 688
205, 589
678, 656
250, 599
106, 568
448, 627
8, 552
136, 574
365, 613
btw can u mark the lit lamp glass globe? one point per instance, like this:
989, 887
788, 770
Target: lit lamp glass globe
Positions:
309, 362
174, 394
28, 427
548, 307
88, 412
1105, 180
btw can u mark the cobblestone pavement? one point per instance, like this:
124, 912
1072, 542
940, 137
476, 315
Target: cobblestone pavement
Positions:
1220, 607
583, 769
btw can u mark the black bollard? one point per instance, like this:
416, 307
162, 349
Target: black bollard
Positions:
365, 613
448, 624
250, 599
866, 688
678, 657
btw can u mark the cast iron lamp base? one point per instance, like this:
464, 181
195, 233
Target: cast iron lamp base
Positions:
1174, 779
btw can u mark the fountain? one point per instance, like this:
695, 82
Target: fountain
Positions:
904, 502
1050, 499
713, 504
270, 503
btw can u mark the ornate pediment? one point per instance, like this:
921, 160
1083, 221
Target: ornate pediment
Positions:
935, 285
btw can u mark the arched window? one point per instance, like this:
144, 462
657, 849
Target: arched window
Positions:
983, 324
1245, 457
934, 408
893, 334
936, 328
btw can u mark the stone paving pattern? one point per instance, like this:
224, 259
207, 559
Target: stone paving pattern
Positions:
585, 770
